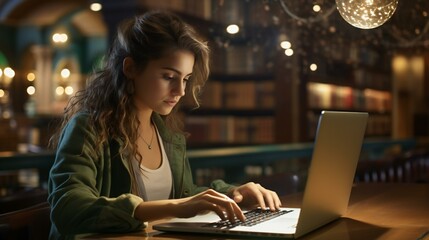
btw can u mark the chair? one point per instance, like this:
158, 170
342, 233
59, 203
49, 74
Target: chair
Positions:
22, 198
28, 223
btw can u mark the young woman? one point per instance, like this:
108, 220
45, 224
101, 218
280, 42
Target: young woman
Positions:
120, 152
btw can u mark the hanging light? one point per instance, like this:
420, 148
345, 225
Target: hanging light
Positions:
366, 14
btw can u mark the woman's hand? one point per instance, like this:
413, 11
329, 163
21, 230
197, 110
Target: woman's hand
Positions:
251, 195
209, 200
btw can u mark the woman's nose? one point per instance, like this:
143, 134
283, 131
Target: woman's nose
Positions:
179, 89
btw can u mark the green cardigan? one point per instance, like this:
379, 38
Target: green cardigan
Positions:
89, 188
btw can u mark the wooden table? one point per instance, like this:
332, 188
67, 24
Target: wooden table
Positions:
376, 211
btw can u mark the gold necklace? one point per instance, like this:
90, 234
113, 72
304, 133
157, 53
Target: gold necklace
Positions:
149, 145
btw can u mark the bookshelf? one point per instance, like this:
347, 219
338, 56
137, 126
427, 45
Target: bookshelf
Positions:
257, 95
235, 110
238, 102
361, 82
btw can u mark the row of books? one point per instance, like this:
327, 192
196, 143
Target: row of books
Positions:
239, 59
329, 96
230, 129
357, 54
371, 79
238, 95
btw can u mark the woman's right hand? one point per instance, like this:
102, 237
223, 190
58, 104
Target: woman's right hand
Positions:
209, 200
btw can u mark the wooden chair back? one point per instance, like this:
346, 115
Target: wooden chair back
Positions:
28, 223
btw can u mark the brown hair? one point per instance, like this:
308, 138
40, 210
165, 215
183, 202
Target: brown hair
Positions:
107, 97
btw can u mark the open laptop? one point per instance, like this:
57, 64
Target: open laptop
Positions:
335, 156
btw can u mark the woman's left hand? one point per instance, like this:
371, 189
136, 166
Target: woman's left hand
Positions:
251, 195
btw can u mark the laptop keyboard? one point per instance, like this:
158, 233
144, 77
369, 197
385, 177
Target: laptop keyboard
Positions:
253, 217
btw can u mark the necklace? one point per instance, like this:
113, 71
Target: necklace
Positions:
149, 145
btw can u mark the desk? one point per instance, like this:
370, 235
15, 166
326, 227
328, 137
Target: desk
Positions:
376, 211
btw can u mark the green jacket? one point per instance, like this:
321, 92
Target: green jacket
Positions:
89, 188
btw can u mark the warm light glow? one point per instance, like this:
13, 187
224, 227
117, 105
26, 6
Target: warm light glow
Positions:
8, 76
2, 93
400, 64
69, 90
316, 8
60, 38
65, 73
8, 72
232, 29
95, 7
289, 52
31, 77
59, 90
1, 72
31, 90
285, 45
313, 67
366, 14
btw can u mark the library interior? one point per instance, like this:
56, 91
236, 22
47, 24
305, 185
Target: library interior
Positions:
275, 65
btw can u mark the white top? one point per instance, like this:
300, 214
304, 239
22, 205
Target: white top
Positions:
154, 184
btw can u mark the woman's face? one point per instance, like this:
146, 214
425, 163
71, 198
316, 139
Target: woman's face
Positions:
162, 83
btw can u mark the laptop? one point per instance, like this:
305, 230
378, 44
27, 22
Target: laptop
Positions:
337, 147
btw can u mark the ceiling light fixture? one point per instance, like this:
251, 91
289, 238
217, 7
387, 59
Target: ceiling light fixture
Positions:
366, 14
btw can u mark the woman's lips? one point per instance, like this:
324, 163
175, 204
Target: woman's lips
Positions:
171, 102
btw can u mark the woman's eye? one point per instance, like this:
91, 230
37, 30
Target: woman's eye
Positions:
168, 77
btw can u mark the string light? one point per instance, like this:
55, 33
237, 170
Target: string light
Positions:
233, 29
60, 38
65, 73
31, 90
95, 7
31, 77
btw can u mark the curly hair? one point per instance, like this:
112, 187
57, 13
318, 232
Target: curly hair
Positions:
107, 97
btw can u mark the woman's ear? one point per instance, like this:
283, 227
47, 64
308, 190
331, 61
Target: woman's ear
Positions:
128, 67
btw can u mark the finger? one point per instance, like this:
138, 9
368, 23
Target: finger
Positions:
231, 208
215, 208
260, 198
238, 212
233, 211
268, 199
277, 201
230, 213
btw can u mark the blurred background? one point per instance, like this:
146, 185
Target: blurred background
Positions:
275, 64
269, 80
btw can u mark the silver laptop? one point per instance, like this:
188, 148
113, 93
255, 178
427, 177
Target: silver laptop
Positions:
335, 156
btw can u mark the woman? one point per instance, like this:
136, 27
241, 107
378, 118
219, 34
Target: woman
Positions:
120, 153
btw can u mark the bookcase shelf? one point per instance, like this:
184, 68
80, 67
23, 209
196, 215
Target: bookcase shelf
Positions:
361, 83
255, 94
236, 109
229, 112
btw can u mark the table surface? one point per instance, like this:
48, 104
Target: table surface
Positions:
376, 211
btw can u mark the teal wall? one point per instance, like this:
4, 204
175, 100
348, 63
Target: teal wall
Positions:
15, 40
7, 43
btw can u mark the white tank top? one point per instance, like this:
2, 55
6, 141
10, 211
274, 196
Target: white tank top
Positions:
154, 184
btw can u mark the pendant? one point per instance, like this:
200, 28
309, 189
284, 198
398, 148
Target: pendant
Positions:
149, 146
